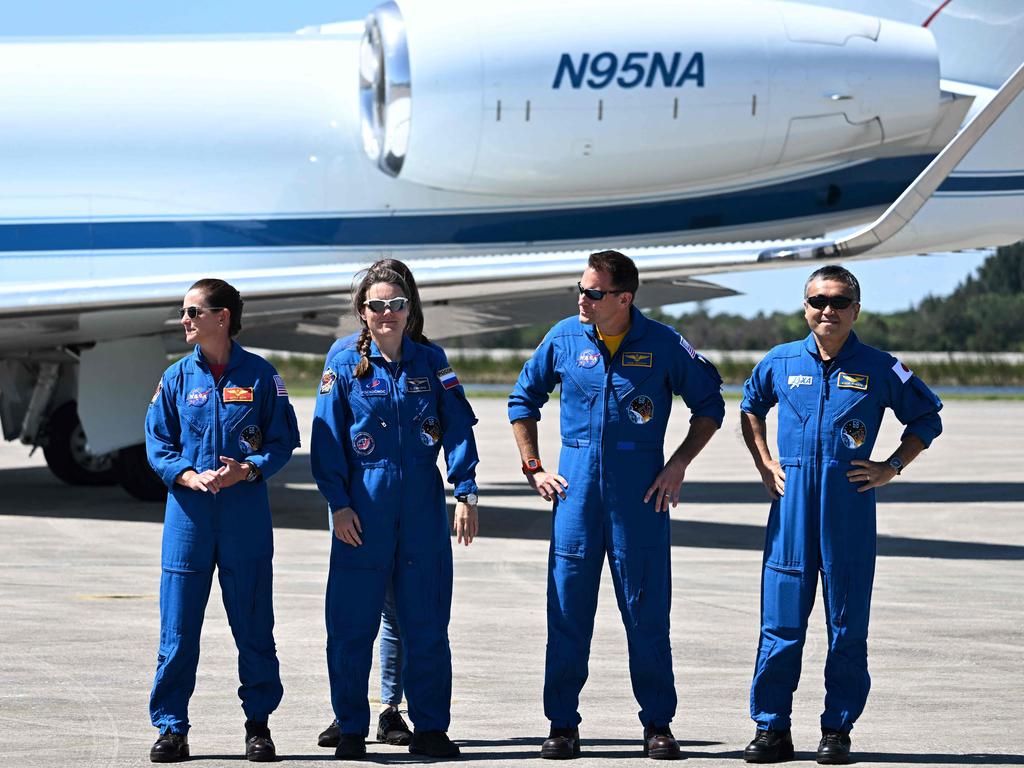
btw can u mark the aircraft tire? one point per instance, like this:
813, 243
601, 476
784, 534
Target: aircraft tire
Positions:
66, 453
137, 477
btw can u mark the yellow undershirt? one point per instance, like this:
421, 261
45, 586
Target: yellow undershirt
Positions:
612, 342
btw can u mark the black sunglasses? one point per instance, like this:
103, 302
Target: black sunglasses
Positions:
593, 293
837, 302
195, 312
379, 305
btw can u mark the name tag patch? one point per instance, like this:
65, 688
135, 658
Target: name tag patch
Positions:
416, 386
800, 381
237, 394
638, 359
375, 387
852, 381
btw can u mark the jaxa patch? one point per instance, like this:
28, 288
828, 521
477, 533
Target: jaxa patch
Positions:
686, 345
251, 439
637, 359
448, 378
417, 386
799, 380
375, 387
197, 397
237, 394
430, 431
641, 409
588, 358
363, 443
852, 381
159, 389
854, 433
901, 370
327, 381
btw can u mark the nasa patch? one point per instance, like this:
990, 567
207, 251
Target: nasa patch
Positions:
327, 381
375, 387
198, 397
430, 431
588, 358
854, 433
251, 439
641, 409
363, 443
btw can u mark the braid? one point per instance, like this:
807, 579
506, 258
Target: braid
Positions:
363, 346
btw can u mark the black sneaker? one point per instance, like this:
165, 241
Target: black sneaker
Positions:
329, 736
259, 747
433, 744
169, 748
834, 747
769, 747
351, 746
392, 729
660, 744
562, 744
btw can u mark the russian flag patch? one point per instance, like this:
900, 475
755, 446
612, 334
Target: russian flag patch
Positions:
448, 378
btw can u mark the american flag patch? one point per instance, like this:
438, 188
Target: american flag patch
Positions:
282, 390
448, 378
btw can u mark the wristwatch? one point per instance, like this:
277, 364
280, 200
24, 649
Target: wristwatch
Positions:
254, 474
896, 464
468, 498
532, 467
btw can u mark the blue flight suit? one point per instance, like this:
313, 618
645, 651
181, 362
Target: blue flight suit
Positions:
374, 448
191, 422
829, 415
614, 412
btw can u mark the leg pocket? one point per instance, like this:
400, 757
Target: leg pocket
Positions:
783, 599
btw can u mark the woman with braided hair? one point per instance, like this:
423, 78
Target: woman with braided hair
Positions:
387, 405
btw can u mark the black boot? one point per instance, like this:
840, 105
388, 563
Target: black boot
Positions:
433, 744
769, 747
169, 748
259, 747
660, 744
351, 746
834, 747
392, 729
561, 744
329, 736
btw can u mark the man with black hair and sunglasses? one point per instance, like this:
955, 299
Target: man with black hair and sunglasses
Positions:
619, 372
832, 392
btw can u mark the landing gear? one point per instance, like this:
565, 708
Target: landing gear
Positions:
66, 453
137, 477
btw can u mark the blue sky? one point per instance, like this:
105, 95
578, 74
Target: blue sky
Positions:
889, 284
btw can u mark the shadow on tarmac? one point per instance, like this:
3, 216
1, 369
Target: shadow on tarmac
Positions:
34, 491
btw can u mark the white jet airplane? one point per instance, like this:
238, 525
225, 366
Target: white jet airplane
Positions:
505, 141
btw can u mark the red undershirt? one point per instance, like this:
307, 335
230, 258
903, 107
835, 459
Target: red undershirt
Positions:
217, 371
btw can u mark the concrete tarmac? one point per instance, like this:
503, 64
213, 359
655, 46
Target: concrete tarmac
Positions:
80, 569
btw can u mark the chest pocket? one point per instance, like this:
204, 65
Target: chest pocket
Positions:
640, 399
426, 429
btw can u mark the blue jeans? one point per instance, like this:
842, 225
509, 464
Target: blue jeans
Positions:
390, 651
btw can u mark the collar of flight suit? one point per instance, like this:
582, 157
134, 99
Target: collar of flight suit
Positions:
233, 359
849, 349
410, 349
637, 327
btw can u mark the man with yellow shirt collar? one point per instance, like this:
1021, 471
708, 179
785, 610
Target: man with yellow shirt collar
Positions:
618, 372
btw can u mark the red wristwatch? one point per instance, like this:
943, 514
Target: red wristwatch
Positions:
532, 467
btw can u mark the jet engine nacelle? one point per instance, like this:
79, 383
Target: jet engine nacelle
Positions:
585, 97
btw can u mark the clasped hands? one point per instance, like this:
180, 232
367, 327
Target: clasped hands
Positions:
215, 480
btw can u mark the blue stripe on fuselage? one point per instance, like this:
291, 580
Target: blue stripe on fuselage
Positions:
867, 185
